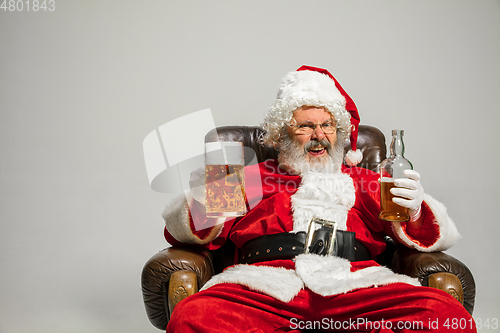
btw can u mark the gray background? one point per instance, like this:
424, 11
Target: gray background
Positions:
82, 86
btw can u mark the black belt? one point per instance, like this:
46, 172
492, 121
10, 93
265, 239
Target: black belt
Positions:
288, 245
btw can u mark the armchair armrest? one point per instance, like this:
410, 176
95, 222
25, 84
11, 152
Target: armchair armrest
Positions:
438, 270
178, 271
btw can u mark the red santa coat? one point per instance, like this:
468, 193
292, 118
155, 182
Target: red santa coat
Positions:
282, 202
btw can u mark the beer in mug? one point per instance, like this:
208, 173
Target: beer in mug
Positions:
225, 179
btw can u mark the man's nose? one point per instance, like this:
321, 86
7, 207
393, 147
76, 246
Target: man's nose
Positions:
318, 133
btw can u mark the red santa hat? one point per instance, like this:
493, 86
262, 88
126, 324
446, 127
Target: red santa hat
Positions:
317, 87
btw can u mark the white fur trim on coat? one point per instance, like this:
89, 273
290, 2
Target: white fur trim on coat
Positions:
280, 283
177, 222
447, 229
328, 276
323, 195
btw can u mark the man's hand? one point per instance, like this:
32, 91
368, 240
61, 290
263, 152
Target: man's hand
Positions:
411, 193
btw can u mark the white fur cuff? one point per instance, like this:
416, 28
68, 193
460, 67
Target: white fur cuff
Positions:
448, 233
178, 223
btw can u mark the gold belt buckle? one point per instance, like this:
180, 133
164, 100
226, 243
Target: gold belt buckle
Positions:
311, 230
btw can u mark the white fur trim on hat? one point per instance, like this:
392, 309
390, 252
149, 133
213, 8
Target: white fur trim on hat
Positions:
310, 88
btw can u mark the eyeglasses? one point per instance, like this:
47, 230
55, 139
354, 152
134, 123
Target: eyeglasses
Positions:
308, 127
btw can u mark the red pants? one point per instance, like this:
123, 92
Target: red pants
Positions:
393, 308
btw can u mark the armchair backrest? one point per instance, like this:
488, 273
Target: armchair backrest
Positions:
371, 142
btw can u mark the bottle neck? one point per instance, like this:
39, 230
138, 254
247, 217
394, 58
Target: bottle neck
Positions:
397, 144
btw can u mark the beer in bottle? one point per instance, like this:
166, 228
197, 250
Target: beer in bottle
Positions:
390, 169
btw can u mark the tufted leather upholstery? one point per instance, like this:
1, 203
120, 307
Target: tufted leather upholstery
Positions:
159, 271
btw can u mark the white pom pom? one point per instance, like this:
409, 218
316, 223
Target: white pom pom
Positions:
352, 158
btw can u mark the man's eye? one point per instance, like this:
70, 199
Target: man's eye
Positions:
327, 125
306, 126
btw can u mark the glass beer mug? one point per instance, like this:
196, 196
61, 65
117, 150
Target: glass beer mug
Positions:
390, 169
225, 179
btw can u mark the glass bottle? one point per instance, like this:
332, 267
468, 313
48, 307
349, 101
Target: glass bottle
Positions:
390, 169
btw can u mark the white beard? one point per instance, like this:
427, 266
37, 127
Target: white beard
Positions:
296, 160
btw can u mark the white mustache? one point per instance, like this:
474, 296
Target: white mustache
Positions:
313, 144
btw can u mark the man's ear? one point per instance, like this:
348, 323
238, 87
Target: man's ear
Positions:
277, 142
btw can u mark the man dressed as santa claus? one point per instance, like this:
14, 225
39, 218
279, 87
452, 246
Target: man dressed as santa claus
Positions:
284, 281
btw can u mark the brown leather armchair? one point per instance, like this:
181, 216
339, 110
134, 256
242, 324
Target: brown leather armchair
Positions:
177, 272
